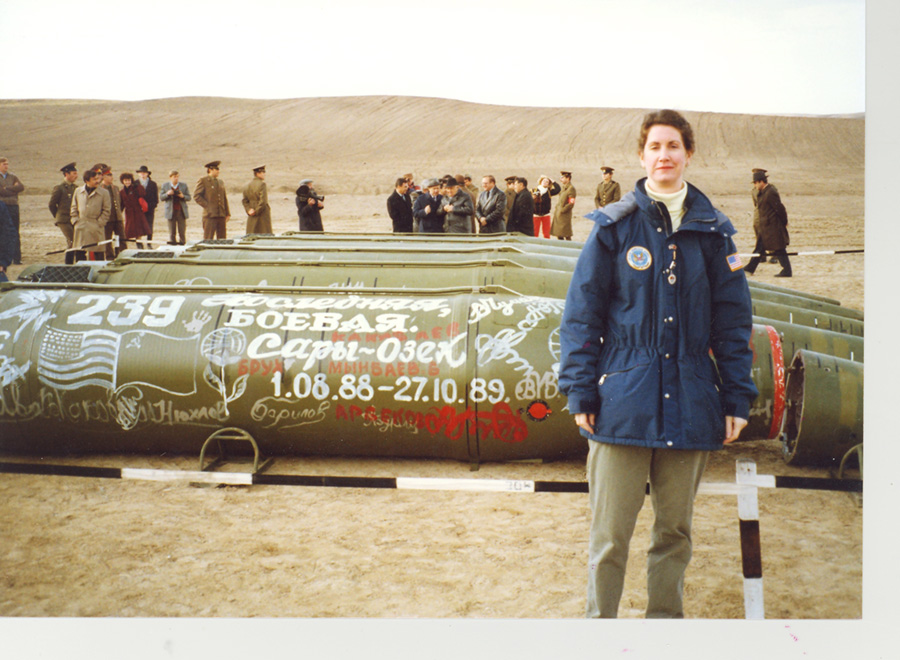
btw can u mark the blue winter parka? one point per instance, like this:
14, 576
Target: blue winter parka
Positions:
645, 307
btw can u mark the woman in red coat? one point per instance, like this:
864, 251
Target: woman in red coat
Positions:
134, 206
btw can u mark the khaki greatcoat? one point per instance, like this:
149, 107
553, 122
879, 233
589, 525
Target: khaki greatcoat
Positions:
256, 197
562, 214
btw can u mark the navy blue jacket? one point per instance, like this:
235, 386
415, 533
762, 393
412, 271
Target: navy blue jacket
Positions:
636, 342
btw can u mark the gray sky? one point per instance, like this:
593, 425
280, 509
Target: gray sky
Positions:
764, 56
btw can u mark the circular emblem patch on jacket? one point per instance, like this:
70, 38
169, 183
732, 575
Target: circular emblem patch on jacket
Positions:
639, 258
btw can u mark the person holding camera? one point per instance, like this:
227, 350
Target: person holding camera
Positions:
546, 189
309, 206
175, 195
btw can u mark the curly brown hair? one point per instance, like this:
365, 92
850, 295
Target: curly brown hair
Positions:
667, 118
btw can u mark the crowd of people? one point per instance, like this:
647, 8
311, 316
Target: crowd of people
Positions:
454, 205
99, 218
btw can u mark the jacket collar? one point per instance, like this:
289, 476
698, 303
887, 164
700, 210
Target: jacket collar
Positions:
700, 215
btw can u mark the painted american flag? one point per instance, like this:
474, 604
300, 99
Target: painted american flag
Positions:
70, 360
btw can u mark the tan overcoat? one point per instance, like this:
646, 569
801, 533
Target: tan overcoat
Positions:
89, 214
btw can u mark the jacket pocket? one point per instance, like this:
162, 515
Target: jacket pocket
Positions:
629, 403
613, 374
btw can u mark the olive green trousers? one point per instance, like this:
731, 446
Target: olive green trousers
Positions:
617, 477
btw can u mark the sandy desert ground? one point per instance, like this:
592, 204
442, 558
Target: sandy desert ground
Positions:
94, 548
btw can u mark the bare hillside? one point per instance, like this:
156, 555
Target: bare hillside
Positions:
358, 144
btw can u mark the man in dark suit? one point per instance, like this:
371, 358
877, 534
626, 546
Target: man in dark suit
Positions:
399, 207
151, 195
491, 207
521, 215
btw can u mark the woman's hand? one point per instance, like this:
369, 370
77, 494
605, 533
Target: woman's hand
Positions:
586, 421
733, 428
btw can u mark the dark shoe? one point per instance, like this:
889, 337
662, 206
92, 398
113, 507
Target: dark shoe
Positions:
749, 272
784, 273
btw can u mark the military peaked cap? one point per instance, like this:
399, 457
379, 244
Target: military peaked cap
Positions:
213, 165
68, 168
607, 169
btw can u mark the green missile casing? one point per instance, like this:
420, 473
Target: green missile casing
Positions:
464, 373
795, 337
824, 414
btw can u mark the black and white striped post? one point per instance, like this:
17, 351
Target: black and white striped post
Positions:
751, 550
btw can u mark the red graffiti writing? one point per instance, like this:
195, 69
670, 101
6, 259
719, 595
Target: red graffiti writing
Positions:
387, 370
253, 366
499, 423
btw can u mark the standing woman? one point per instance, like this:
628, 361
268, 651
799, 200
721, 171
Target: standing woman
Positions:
657, 285
135, 207
546, 188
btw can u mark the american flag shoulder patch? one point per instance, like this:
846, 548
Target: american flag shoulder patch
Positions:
734, 262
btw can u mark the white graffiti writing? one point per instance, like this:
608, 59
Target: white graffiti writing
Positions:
270, 412
272, 345
375, 303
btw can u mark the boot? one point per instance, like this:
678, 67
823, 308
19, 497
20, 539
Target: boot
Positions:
785, 265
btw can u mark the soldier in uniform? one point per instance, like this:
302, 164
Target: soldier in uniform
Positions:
61, 204
608, 191
510, 196
210, 194
562, 214
256, 203
115, 226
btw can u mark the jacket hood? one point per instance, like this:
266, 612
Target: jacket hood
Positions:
700, 215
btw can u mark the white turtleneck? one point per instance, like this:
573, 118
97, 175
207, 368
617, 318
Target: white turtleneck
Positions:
674, 202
